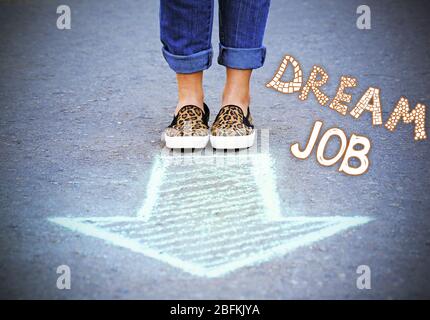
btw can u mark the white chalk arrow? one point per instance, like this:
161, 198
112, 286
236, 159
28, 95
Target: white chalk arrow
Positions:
210, 215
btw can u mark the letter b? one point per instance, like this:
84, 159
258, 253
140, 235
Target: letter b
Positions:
361, 155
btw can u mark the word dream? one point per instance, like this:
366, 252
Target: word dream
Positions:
370, 100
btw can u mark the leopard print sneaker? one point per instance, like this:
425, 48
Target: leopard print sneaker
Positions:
189, 128
232, 129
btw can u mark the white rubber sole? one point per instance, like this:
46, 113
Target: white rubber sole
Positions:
232, 142
187, 142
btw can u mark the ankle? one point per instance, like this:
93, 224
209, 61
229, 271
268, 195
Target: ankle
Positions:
190, 90
195, 100
237, 99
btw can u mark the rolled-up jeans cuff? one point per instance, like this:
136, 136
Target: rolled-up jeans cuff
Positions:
242, 58
195, 62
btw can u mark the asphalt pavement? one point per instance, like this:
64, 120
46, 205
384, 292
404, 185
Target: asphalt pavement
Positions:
82, 112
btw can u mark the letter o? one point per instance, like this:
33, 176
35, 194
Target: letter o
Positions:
321, 147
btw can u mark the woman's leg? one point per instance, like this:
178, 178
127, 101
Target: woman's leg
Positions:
185, 31
236, 89
190, 90
242, 25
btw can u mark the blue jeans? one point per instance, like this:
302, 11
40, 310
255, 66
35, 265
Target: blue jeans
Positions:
186, 29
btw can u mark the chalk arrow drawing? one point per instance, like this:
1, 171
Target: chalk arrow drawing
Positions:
210, 215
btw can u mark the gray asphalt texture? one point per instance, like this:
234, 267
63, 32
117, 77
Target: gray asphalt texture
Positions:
82, 111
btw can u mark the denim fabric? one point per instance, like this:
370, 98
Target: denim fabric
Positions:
186, 29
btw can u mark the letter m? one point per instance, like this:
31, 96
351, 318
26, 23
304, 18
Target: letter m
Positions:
402, 112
